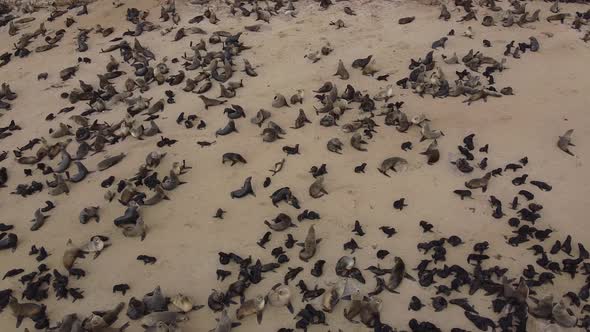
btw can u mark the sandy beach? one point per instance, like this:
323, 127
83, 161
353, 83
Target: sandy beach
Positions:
549, 98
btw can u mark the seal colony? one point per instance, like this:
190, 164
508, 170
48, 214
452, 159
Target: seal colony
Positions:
378, 208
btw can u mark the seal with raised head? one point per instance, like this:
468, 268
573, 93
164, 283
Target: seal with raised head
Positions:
565, 141
245, 190
316, 190
251, 307
432, 153
479, 182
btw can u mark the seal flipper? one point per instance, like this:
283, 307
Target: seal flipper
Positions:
383, 172
259, 316
484, 188
290, 307
236, 324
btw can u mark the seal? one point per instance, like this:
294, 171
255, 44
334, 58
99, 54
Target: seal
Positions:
391, 164
71, 254
81, 175
565, 141
209, 102
279, 101
89, 213
280, 223
184, 303
171, 182
137, 230
168, 317
316, 190
250, 307
245, 190
229, 128
335, 145
432, 153
110, 162
356, 140
428, 133
309, 245
479, 182
8, 240
341, 71
225, 323
260, 117
280, 296
156, 198
370, 311
25, 310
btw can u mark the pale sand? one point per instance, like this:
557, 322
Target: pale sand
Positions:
549, 98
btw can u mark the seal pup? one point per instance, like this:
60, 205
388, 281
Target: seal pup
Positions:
245, 190
316, 190
565, 141
280, 296
341, 71
391, 164
251, 307
309, 245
